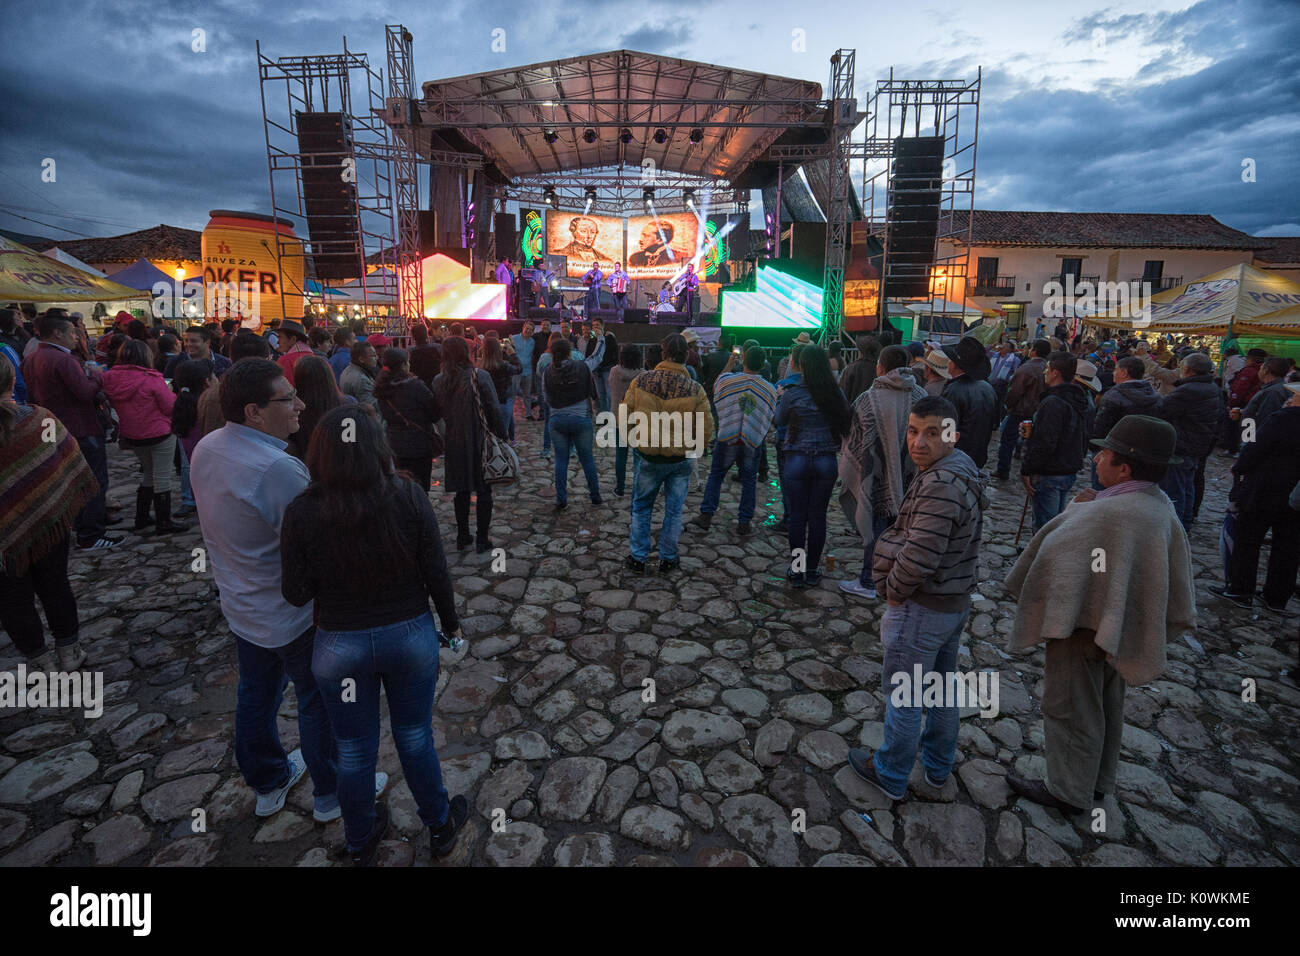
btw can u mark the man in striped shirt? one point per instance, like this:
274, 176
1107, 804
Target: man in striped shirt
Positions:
745, 403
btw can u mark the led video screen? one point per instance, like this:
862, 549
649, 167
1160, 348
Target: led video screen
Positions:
779, 301
449, 293
659, 246
584, 238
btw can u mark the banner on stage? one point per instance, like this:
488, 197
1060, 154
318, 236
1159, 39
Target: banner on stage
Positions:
584, 238
659, 246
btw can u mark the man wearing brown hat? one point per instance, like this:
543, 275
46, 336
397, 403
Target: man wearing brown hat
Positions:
972, 396
1105, 585
295, 336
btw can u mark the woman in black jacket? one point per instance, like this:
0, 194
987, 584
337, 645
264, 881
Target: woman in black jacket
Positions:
410, 411
462, 459
570, 393
374, 624
499, 361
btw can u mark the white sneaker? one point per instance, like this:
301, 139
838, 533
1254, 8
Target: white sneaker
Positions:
325, 816
272, 803
854, 586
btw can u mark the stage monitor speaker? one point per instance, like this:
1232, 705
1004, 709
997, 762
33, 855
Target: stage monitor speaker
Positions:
552, 315
636, 315
913, 215
503, 224
329, 194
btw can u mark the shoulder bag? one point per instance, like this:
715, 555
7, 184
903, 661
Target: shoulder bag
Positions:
500, 463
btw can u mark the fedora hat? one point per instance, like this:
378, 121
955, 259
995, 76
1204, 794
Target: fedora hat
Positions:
939, 363
803, 338
1086, 373
293, 328
970, 356
1142, 438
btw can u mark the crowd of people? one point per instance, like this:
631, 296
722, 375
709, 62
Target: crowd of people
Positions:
301, 449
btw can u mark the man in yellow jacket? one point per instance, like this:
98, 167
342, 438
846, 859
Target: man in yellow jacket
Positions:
665, 419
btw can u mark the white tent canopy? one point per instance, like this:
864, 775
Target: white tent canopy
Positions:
68, 259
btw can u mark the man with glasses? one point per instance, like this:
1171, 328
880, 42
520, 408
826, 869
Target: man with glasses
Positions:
243, 480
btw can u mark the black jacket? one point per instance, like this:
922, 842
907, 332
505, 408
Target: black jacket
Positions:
1266, 401
426, 362
502, 375
1126, 398
1269, 467
1195, 409
977, 415
568, 383
410, 411
1059, 439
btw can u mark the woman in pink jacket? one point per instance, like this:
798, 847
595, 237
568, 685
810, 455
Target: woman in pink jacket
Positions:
144, 411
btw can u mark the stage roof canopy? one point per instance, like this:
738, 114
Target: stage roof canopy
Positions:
505, 114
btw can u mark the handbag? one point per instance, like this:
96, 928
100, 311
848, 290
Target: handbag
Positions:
106, 415
500, 463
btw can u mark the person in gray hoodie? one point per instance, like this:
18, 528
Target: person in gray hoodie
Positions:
925, 566
875, 468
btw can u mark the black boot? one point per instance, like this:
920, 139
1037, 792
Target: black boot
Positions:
143, 499
463, 538
163, 508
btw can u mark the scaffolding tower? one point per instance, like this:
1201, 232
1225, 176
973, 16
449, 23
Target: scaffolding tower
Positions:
300, 86
943, 108
843, 118
406, 174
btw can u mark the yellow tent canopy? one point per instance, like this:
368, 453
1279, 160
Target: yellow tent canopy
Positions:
1237, 296
1282, 323
28, 276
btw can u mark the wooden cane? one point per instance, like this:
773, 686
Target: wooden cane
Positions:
1023, 511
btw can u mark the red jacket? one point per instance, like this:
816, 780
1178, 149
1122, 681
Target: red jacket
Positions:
1243, 387
290, 358
142, 399
57, 380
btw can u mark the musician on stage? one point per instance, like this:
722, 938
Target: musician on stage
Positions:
687, 288
618, 282
593, 278
506, 277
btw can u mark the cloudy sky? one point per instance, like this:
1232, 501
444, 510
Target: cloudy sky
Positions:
1128, 105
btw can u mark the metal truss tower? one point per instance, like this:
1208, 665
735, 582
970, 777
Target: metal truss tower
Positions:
406, 173
843, 118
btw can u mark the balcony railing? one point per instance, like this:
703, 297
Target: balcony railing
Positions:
993, 285
1065, 278
1159, 283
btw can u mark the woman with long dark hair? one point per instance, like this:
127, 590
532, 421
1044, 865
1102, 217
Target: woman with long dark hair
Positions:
44, 482
498, 360
454, 391
363, 542
144, 410
570, 393
620, 377
816, 418
410, 411
315, 384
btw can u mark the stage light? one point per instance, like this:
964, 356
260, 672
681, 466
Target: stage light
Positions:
690, 198
697, 136
648, 198
589, 135
625, 136
550, 136
548, 194
591, 198
661, 136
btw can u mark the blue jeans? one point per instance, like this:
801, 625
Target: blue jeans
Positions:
1007, 443
746, 460
878, 526
647, 478
602, 388
572, 431
544, 412
264, 672
808, 482
404, 658
1179, 483
90, 523
526, 392
508, 418
911, 634
1050, 492
187, 493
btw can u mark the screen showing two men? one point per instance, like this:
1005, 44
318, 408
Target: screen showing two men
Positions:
657, 247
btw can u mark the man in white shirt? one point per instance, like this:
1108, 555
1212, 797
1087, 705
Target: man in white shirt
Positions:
243, 480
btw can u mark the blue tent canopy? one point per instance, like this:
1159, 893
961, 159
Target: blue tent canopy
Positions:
141, 274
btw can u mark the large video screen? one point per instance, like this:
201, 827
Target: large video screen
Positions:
584, 238
779, 301
658, 247
449, 293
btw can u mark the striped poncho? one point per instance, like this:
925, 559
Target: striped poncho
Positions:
44, 483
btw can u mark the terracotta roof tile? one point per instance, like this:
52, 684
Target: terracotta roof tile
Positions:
160, 242
1105, 229
1280, 249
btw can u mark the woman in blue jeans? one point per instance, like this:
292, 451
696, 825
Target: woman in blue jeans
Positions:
570, 390
816, 418
373, 618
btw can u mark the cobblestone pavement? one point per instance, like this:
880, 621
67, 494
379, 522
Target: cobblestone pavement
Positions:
760, 692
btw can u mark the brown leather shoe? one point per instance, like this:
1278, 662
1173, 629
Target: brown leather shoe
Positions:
1037, 791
